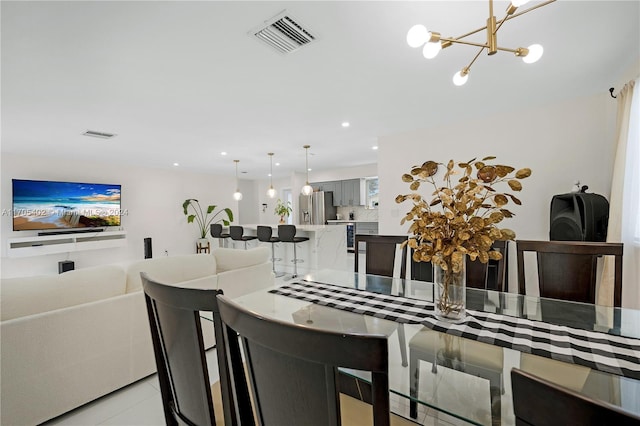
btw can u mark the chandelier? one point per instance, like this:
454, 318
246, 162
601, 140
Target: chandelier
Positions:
433, 43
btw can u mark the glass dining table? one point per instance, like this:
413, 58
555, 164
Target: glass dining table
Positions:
454, 376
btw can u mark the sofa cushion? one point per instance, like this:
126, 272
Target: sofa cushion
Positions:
171, 270
31, 295
229, 259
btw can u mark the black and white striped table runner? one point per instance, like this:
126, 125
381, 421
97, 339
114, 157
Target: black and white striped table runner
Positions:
599, 351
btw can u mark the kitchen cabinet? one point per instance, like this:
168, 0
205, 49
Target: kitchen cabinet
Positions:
323, 186
351, 192
332, 186
348, 192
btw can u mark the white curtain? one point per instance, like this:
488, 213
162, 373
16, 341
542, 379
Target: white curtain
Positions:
624, 210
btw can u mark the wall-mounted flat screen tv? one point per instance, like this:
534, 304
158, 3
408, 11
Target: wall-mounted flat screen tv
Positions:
42, 205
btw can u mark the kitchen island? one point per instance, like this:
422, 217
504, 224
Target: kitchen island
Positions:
326, 248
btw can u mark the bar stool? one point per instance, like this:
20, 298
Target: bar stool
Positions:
237, 234
265, 235
287, 234
216, 232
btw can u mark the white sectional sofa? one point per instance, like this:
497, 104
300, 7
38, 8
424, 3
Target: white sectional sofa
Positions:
68, 339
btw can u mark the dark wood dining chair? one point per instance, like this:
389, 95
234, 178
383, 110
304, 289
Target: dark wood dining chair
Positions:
293, 369
176, 332
567, 269
490, 275
380, 254
380, 259
538, 402
487, 276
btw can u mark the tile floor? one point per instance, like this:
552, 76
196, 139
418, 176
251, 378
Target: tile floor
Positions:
140, 404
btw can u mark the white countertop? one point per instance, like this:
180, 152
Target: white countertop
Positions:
352, 221
298, 227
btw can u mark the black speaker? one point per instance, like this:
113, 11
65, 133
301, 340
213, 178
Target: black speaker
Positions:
65, 266
147, 248
579, 217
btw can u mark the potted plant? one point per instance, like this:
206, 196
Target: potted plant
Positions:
283, 209
204, 219
460, 220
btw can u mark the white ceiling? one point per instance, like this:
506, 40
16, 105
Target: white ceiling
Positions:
183, 81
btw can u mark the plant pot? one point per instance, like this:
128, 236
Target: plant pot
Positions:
202, 244
449, 293
282, 221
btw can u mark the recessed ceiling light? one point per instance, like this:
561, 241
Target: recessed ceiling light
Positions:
345, 124
176, 164
375, 148
223, 153
309, 169
277, 164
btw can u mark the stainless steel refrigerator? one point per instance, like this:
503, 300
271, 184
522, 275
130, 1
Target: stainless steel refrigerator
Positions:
317, 208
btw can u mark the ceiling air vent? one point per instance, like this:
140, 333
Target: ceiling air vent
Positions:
103, 135
283, 33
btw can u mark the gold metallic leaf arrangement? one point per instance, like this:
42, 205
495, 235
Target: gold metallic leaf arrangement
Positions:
461, 218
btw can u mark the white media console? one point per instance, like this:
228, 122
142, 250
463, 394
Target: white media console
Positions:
37, 245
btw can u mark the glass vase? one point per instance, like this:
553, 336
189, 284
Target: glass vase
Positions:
449, 293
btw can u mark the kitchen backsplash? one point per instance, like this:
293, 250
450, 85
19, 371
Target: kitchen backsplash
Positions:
359, 213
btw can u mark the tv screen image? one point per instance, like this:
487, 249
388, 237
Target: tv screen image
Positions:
40, 205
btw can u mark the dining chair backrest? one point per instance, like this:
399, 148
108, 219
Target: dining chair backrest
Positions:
293, 369
380, 254
264, 233
286, 233
567, 269
176, 332
490, 275
538, 402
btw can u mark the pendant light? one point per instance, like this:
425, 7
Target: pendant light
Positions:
237, 195
271, 193
307, 189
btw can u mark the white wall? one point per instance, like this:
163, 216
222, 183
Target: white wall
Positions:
247, 212
153, 198
268, 217
367, 170
560, 143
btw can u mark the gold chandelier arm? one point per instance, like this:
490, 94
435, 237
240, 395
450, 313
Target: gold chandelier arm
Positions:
507, 17
499, 23
482, 46
470, 43
466, 35
468, 67
537, 6
506, 49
